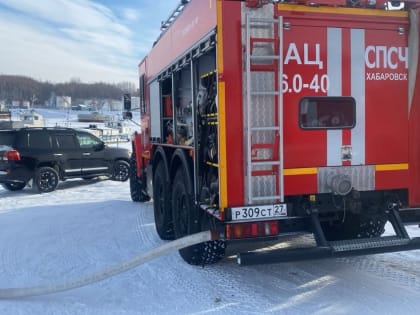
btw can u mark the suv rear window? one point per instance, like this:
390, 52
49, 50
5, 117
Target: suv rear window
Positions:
327, 113
39, 139
7, 138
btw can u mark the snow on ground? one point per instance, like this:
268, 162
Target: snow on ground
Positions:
86, 226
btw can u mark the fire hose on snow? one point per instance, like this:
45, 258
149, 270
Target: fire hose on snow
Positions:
10, 293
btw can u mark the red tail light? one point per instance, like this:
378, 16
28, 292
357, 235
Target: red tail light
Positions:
251, 229
11, 155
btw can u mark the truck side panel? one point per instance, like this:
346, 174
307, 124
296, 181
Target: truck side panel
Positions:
197, 19
230, 104
414, 114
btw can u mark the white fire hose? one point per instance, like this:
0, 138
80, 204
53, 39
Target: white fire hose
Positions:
10, 293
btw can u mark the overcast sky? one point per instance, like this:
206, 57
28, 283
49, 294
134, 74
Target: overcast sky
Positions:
90, 40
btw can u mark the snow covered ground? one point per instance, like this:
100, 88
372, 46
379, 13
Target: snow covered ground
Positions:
86, 226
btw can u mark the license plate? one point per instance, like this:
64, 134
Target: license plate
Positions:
259, 212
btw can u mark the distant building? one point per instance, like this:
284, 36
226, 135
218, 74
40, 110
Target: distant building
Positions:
3, 106
63, 102
26, 104
21, 104
93, 104
51, 101
5, 113
135, 102
116, 105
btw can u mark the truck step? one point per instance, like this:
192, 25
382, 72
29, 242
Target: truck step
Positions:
333, 250
367, 243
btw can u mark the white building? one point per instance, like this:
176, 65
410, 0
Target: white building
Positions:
115, 105
26, 104
135, 102
63, 102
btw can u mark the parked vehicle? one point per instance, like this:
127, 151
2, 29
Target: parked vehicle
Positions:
93, 117
263, 118
44, 156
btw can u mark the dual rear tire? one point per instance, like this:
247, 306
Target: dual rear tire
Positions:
187, 220
162, 203
176, 215
137, 186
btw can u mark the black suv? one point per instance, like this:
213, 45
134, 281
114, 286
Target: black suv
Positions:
47, 155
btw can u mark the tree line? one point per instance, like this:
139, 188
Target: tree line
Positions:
21, 88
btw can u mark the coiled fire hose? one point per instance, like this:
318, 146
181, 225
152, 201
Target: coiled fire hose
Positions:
10, 293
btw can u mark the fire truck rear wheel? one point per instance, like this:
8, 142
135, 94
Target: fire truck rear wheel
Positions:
356, 226
162, 204
187, 221
136, 186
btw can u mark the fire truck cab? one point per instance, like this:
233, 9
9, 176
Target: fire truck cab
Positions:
268, 118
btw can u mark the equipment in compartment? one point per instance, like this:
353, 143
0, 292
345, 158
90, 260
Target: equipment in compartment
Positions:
208, 150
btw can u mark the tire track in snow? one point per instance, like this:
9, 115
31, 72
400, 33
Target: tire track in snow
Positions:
9, 262
16, 253
67, 250
396, 267
145, 227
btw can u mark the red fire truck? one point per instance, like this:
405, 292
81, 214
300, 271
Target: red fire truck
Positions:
262, 118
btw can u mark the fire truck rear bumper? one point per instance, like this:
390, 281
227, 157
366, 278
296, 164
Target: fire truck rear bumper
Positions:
334, 249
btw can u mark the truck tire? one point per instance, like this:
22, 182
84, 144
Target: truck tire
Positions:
14, 186
137, 190
121, 171
46, 179
162, 203
356, 226
187, 221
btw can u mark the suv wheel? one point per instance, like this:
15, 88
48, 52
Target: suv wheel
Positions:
121, 171
46, 179
14, 186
